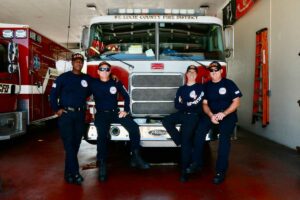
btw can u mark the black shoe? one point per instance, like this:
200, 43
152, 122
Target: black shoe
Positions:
69, 178
137, 161
78, 179
74, 179
183, 177
102, 171
193, 168
219, 178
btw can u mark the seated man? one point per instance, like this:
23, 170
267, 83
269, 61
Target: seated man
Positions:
188, 101
105, 91
220, 103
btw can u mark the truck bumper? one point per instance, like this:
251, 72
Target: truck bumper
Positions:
12, 124
152, 135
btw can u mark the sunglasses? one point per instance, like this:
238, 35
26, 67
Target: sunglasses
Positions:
214, 70
104, 69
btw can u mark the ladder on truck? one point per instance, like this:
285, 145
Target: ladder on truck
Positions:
261, 92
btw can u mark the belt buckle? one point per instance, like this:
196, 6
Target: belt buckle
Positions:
70, 109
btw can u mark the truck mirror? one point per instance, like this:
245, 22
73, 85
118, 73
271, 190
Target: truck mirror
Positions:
229, 40
85, 38
13, 58
227, 53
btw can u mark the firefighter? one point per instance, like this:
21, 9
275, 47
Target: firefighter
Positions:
105, 91
68, 99
188, 101
221, 100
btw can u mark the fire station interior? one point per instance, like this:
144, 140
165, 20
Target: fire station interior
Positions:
264, 160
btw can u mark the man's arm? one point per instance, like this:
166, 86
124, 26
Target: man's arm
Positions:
54, 96
124, 93
232, 108
207, 111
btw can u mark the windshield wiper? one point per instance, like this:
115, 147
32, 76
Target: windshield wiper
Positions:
111, 55
187, 57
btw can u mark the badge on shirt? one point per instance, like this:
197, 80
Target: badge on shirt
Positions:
113, 90
54, 85
222, 91
84, 83
193, 94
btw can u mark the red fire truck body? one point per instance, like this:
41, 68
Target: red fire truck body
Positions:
27, 70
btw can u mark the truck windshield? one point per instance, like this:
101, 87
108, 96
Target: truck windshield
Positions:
138, 41
197, 41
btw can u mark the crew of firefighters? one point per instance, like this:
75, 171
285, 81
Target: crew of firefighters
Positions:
200, 107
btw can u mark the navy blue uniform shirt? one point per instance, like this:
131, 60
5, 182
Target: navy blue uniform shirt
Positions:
219, 95
191, 98
106, 94
71, 90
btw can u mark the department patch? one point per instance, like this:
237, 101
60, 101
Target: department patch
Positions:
84, 83
193, 94
113, 90
222, 91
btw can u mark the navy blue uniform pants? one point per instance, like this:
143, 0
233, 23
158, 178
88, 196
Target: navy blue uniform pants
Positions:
72, 127
226, 128
185, 135
103, 121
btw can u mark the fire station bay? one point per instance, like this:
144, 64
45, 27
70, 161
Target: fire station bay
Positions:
150, 100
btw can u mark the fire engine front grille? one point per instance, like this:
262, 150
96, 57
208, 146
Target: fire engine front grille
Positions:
153, 94
152, 108
157, 80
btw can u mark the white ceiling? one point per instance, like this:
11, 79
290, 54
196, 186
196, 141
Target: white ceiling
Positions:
51, 17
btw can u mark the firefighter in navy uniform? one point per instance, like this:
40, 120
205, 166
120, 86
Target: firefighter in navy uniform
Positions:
105, 92
68, 100
188, 101
221, 100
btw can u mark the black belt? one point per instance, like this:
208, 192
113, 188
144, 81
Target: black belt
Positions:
190, 113
110, 110
73, 109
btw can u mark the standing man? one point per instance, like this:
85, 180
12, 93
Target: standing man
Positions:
105, 91
188, 101
221, 100
68, 101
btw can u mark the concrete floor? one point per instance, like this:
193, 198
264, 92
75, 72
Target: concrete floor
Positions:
31, 168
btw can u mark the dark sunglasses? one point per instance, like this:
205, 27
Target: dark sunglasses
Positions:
104, 69
214, 70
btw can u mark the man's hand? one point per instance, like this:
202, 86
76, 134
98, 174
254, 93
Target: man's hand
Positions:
220, 116
122, 114
179, 99
214, 119
60, 112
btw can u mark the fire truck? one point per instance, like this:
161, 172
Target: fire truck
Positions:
27, 70
150, 50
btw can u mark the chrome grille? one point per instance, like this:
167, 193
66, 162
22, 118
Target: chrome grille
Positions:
153, 94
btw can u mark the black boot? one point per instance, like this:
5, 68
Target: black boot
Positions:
219, 178
183, 176
137, 161
102, 171
193, 168
69, 178
78, 179
74, 179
